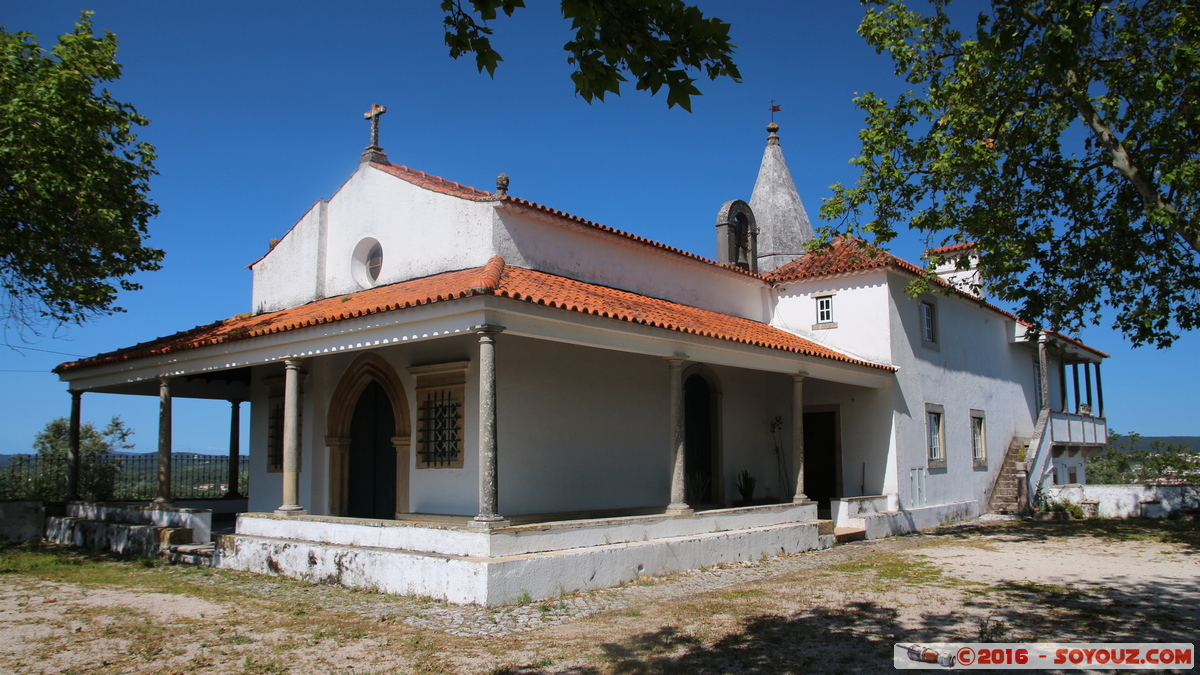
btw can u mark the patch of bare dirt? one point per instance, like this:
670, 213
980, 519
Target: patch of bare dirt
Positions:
831, 611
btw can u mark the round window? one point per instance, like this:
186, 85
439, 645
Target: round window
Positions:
367, 263
374, 262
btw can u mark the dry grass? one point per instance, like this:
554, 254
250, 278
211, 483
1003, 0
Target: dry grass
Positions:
71, 612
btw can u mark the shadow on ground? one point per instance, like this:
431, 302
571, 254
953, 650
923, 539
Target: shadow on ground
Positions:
860, 638
1181, 532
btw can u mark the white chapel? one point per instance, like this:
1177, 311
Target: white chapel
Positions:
460, 393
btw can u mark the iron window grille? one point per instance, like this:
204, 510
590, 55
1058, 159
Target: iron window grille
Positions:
441, 429
441, 398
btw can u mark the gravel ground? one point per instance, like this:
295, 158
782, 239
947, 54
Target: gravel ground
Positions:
838, 610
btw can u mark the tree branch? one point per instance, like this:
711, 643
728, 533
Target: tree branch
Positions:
1122, 162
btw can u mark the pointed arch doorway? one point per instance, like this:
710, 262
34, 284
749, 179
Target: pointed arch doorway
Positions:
369, 436
371, 479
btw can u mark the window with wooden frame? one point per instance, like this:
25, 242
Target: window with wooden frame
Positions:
275, 401
824, 302
929, 323
935, 435
441, 391
978, 439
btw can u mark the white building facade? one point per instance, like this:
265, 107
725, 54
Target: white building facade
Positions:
464, 394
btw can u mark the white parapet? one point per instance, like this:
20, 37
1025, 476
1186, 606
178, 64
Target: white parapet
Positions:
496, 567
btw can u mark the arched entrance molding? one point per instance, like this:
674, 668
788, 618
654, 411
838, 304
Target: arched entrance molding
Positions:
716, 474
367, 368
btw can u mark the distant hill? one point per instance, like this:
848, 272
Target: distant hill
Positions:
1145, 443
5, 459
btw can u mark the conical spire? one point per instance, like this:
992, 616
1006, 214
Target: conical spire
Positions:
783, 225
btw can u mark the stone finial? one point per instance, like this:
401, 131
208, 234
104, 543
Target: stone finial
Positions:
772, 134
502, 184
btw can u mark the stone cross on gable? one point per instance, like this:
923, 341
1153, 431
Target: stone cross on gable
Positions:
373, 152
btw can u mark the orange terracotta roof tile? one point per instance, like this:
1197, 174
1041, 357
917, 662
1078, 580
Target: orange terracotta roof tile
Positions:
951, 248
494, 278
554, 291
432, 182
846, 255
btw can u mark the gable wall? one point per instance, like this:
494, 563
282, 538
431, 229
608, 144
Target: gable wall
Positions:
557, 247
859, 309
422, 233
287, 276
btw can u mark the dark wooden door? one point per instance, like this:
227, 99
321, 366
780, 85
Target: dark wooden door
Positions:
372, 479
820, 458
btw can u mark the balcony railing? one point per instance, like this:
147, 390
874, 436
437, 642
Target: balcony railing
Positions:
1074, 429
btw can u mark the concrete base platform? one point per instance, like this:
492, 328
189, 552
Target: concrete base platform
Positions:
451, 562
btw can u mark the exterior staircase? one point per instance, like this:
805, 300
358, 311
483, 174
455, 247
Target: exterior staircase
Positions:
1005, 494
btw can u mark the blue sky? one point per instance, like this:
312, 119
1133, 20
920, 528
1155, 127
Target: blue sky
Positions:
256, 113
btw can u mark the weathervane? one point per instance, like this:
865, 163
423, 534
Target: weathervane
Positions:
774, 109
373, 152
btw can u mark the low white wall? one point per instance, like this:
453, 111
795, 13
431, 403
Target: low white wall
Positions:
21, 521
910, 520
852, 511
496, 581
215, 505
456, 540
1129, 501
199, 521
123, 538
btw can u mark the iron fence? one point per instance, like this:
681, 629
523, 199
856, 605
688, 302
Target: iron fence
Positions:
120, 477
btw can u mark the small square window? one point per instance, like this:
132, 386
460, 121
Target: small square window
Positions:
929, 327
825, 309
978, 439
935, 436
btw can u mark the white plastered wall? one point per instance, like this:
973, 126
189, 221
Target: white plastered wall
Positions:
976, 365
860, 306
579, 428
421, 232
553, 245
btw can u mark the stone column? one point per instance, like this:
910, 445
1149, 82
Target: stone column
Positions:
1062, 384
235, 449
1043, 363
1087, 383
1075, 376
339, 470
73, 449
678, 505
489, 502
798, 436
291, 440
164, 441
401, 445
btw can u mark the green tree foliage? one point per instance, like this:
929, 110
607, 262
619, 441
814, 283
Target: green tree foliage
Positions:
1121, 463
658, 42
1061, 136
74, 180
97, 470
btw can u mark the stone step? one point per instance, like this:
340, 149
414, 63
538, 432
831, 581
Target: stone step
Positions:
192, 554
847, 534
825, 527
